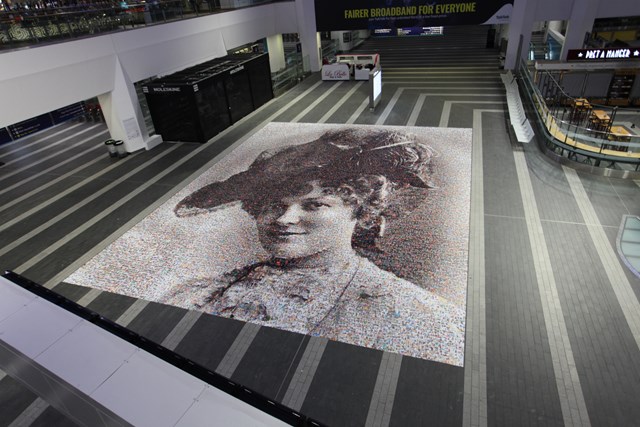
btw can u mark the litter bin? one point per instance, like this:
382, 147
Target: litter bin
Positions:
113, 152
121, 152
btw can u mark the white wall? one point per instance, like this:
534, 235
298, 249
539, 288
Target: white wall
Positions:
40, 79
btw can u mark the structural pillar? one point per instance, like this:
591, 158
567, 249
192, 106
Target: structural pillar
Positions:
583, 14
309, 37
123, 115
520, 25
275, 46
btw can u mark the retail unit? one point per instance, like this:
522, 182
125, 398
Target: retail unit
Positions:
347, 67
197, 103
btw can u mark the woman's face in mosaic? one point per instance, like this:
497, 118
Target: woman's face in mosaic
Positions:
305, 225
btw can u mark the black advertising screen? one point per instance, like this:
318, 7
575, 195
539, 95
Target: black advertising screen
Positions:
372, 14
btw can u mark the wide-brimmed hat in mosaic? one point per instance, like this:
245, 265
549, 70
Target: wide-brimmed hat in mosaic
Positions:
337, 156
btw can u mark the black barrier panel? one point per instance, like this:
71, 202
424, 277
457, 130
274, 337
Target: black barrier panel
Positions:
373, 14
236, 85
197, 103
4, 136
212, 107
174, 113
69, 112
260, 80
30, 126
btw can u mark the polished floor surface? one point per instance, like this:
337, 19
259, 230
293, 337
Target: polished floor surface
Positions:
553, 319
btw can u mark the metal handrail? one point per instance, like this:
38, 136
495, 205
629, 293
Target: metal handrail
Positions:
568, 136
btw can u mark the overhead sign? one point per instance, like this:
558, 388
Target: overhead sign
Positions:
374, 14
69, 112
598, 55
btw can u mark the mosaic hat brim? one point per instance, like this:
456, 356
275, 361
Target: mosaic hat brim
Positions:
336, 155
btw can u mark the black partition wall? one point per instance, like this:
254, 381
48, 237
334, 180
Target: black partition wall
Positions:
197, 103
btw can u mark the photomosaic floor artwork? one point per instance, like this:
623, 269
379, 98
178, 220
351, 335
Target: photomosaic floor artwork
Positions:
355, 233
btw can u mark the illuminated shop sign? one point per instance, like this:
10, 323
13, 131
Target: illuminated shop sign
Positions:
386, 14
616, 54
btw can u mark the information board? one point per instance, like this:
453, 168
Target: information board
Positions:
30, 126
67, 113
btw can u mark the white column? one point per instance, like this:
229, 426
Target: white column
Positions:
275, 47
123, 114
583, 14
306, 14
522, 19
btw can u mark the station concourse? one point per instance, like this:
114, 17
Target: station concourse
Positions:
551, 334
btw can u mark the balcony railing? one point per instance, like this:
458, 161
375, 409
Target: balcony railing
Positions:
582, 131
38, 22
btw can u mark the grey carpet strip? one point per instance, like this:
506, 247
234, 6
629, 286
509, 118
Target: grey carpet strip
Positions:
25, 196
70, 210
384, 392
316, 102
237, 350
612, 267
52, 155
51, 168
29, 415
446, 109
392, 103
183, 327
89, 297
474, 410
69, 190
67, 175
303, 376
22, 144
333, 109
132, 312
120, 231
572, 403
48, 146
415, 113
363, 105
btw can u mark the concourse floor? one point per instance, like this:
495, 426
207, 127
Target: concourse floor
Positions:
553, 318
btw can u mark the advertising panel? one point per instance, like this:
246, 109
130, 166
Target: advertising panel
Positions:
374, 14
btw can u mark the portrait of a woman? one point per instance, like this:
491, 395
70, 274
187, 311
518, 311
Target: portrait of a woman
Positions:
320, 210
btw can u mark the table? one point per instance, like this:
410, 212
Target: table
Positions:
600, 119
619, 134
581, 104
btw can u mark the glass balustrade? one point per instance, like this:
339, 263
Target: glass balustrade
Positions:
28, 23
581, 130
